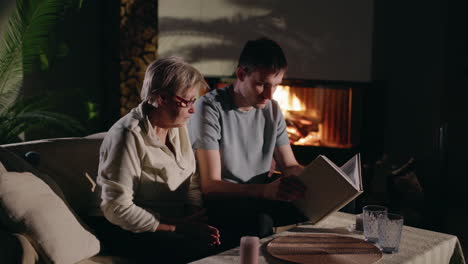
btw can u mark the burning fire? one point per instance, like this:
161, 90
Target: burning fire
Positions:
287, 102
302, 124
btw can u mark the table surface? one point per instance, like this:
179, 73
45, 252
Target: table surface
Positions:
416, 246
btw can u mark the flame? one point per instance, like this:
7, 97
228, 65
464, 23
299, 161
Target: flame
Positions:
286, 100
307, 125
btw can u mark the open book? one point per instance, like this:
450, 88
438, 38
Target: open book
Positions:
329, 187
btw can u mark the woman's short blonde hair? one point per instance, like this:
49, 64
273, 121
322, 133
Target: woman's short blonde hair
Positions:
172, 75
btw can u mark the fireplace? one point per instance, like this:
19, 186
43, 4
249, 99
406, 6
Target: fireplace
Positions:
317, 115
322, 117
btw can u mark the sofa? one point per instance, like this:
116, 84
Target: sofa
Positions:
46, 188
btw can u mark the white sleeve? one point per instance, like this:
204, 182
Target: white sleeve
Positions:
119, 172
194, 195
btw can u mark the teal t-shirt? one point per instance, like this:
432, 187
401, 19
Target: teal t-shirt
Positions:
246, 140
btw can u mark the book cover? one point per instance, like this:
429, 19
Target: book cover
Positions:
329, 187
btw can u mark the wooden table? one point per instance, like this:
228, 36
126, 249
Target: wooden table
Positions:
417, 246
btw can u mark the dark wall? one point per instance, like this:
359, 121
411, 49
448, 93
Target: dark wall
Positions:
409, 55
420, 57
457, 116
409, 58
85, 83
457, 80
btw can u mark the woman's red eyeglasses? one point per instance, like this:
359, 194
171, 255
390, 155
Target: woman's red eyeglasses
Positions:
184, 103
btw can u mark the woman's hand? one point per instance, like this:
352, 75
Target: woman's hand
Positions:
201, 231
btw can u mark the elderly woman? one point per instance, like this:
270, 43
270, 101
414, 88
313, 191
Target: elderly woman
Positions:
145, 169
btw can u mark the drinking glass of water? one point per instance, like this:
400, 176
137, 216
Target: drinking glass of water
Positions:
370, 215
390, 228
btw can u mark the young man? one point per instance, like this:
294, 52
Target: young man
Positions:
236, 132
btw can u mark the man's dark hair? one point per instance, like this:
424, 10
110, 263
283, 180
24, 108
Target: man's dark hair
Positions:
262, 53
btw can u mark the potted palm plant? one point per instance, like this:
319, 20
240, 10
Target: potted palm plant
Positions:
22, 44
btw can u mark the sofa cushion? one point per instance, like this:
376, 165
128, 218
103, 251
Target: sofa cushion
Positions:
12, 162
2, 168
29, 206
72, 163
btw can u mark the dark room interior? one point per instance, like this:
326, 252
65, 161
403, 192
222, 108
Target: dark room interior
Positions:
410, 111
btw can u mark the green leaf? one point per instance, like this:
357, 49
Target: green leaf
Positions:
28, 30
44, 61
62, 50
92, 110
32, 113
24, 42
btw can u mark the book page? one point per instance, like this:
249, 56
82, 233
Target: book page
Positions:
328, 189
343, 173
352, 170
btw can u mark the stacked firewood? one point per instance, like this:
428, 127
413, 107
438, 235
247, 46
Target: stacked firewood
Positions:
138, 45
302, 125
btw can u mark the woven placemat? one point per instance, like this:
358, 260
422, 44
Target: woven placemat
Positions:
323, 248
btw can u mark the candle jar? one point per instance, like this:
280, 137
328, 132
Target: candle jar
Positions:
249, 250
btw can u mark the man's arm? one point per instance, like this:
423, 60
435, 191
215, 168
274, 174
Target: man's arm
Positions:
286, 161
209, 162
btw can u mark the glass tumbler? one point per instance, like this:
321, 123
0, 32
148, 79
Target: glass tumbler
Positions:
390, 229
370, 216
